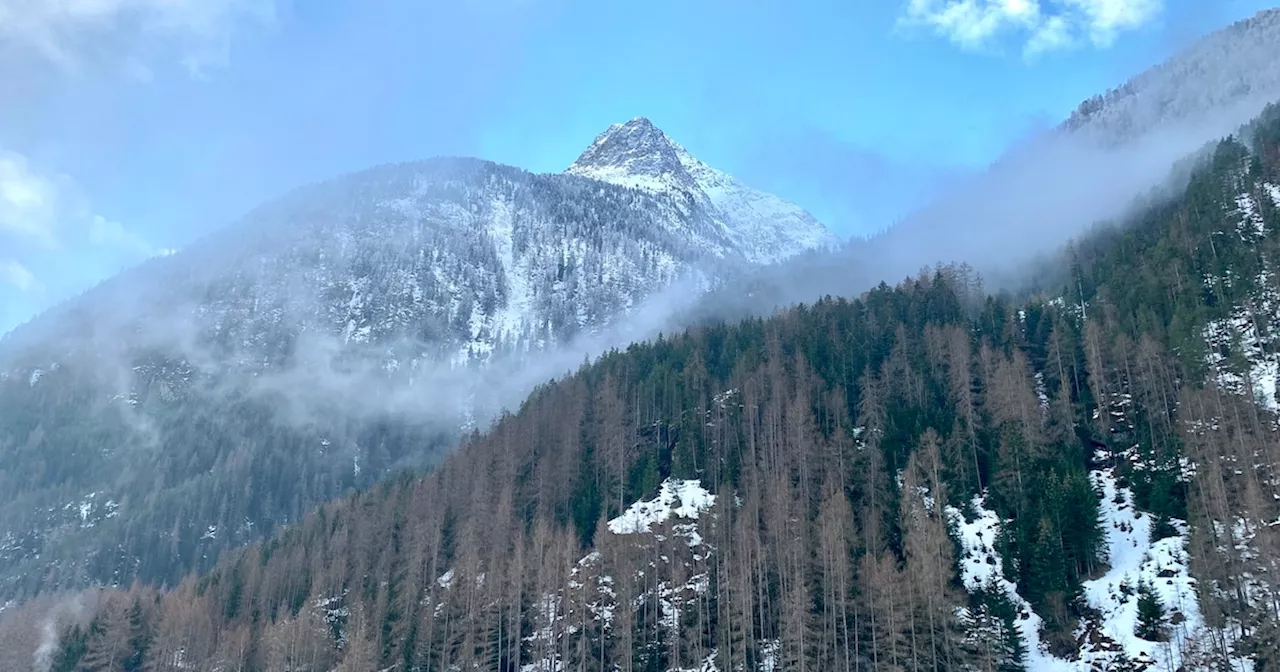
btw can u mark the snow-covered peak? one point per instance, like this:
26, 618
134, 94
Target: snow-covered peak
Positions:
764, 227
636, 154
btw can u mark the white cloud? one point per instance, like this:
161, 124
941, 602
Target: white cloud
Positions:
1042, 25
28, 201
72, 32
52, 242
1104, 19
45, 217
104, 232
1054, 33
17, 275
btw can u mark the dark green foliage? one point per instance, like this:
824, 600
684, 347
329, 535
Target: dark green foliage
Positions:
234, 595
71, 648
1151, 617
992, 631
139, 638
1162, 528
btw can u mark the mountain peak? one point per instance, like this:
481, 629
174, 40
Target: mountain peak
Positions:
638, 129
638, 155
635, 154
640, 122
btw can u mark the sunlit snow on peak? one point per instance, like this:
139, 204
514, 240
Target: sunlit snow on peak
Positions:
763, 227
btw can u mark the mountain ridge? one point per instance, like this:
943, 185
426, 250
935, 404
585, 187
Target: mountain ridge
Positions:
1230, 70
363, 323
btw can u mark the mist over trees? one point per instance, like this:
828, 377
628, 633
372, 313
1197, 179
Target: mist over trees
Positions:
349, 330
841, 456
836, 452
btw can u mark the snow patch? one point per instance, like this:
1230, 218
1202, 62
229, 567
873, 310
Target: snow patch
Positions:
982, 567
769, 655
1273, 191
682, 499
1261, 364
1135, 561
1041, 393
1251, 221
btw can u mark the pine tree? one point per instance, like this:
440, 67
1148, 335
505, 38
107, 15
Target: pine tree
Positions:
992, 639
1151, 618
71, 649
140, 637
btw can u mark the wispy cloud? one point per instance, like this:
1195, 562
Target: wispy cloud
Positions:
105, 232
28, 201
71, 33
1040, 25
17, 275
45, 216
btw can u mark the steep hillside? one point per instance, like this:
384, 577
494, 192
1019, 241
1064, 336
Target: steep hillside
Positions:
1224, 78
922, 478
349, 329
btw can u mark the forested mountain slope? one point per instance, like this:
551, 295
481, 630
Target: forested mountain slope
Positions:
342, 332
922, 478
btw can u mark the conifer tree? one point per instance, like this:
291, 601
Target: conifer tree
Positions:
1151, 617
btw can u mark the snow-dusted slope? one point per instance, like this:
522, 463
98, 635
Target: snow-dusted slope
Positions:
1109, 638
424, 295
763, 227
452, 257
1215, 85
1242, 348
1114, 148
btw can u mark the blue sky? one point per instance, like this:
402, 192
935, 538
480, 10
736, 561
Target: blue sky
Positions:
134, 126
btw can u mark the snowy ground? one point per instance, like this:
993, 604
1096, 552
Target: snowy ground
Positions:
1133, 558
981, 566
1250, 329
1263, 363
682, 499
